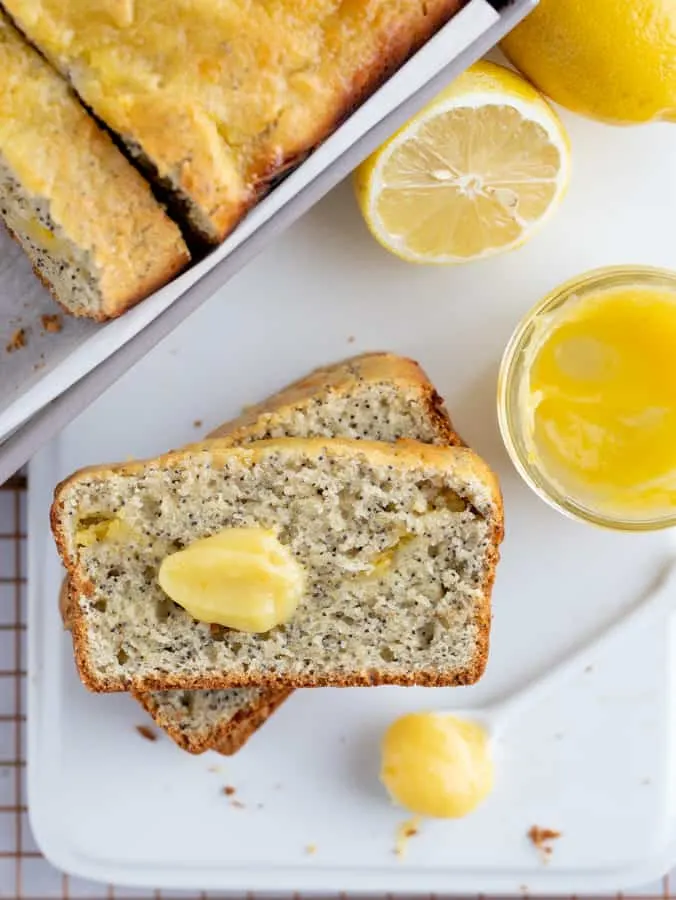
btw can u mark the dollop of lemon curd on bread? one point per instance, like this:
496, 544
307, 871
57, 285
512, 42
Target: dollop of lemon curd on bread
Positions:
242, 578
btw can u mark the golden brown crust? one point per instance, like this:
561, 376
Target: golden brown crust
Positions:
372, 678
146, 285
223, 156
341, 378
394, 49
65, 603
463, 462
392, 52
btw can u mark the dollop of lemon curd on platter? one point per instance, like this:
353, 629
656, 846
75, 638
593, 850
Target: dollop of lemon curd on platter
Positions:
435, 764
599, 399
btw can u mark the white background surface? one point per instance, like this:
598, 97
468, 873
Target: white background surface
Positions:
595, 762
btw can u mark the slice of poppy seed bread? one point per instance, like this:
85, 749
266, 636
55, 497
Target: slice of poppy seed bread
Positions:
372, 396
433, 514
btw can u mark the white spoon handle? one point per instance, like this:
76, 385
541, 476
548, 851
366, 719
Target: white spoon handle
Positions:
657, 603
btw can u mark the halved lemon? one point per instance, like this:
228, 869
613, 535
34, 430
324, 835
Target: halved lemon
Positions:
474, 174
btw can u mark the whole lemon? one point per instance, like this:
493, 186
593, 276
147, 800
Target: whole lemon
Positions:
613, 60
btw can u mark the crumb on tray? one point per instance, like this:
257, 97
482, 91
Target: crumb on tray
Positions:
197, 423
311, 849
17, 340
405, 831
541, 839
228, 790
351, 339
146, 732
51, 323
237, 804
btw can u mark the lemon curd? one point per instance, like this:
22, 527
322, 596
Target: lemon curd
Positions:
435, 764
243, 578
588, 398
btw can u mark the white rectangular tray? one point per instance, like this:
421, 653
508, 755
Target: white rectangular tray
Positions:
51, 363
596, 762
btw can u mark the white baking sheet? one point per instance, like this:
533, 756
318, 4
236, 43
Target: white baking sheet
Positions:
596, 762
49, 364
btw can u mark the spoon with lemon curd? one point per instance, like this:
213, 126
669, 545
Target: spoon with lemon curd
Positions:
440, 764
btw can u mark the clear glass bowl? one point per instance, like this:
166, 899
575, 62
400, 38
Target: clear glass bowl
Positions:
514, 368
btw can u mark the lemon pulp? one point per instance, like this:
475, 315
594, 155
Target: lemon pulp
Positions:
600, 400
473, 174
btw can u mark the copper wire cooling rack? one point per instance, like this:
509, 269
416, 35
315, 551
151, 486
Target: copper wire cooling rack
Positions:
24, 873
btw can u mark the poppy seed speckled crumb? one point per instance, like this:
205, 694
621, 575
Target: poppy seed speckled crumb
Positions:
435, 513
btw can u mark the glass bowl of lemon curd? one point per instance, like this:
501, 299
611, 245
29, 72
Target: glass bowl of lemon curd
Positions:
587, 398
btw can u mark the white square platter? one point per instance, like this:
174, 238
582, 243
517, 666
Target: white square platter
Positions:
596, 762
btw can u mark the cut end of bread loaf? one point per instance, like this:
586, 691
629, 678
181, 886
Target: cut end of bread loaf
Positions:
93, 231
63, 268
67, 269
432, 515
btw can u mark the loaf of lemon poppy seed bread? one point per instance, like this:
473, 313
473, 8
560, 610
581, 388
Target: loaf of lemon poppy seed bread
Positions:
219, 99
